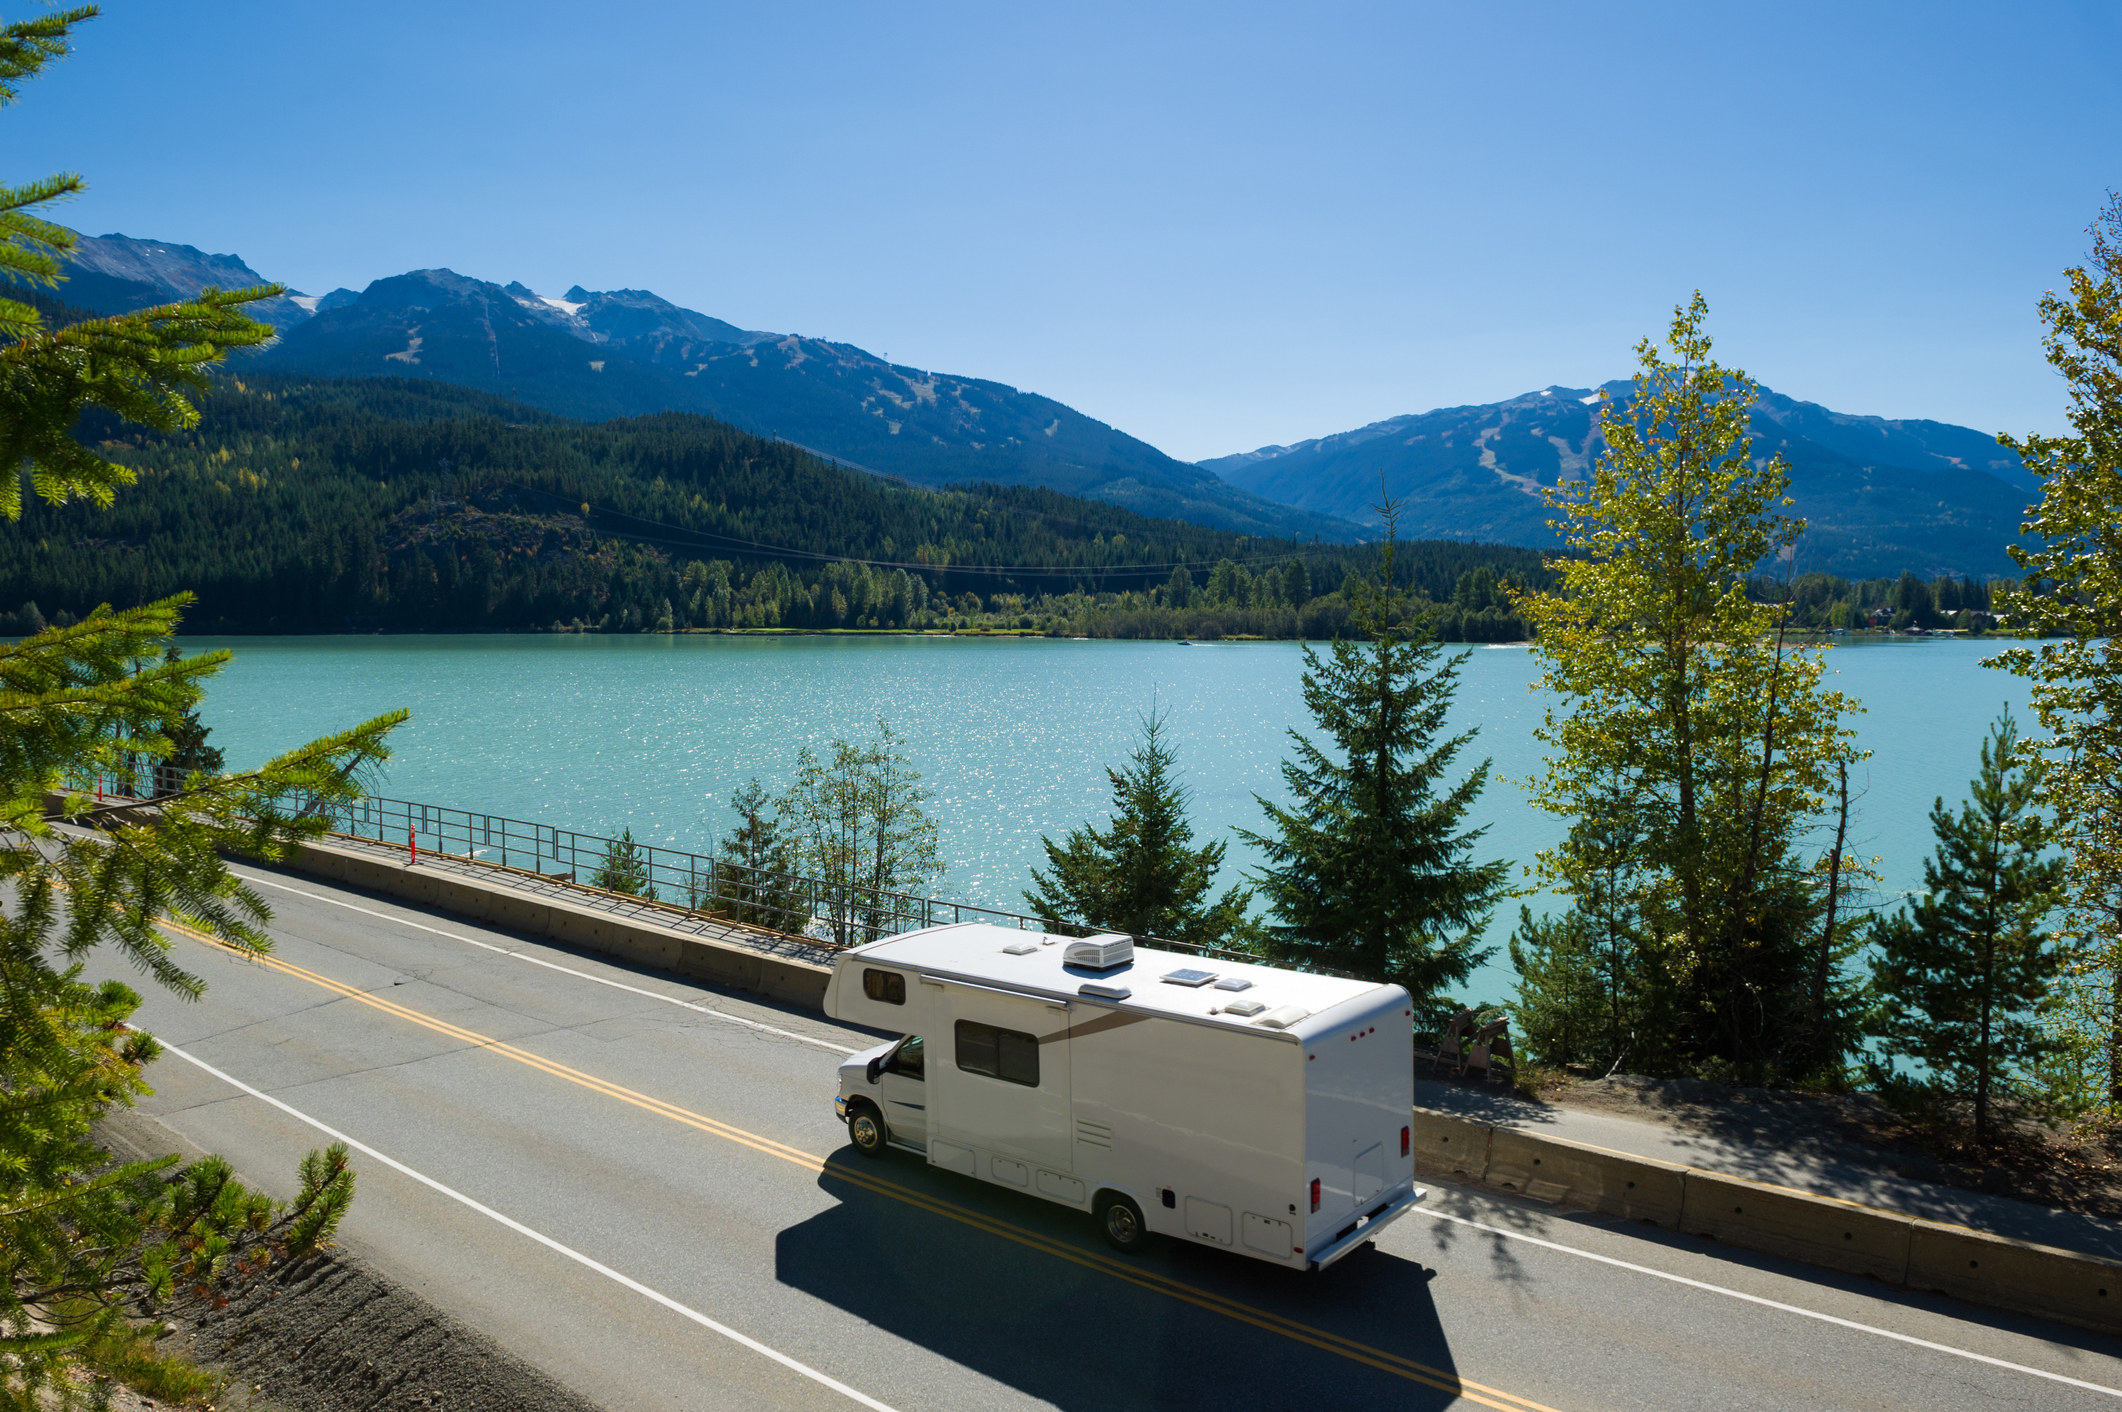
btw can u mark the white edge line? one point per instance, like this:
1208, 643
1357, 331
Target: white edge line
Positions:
553, 966
842, 1049
1773, 1304
545, 1240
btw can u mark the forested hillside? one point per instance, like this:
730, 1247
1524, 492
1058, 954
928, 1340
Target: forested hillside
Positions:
304, 505
627, 352
1880, 497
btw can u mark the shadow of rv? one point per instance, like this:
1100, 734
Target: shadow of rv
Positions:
1079, 1337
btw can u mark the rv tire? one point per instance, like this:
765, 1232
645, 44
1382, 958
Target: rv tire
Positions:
1121, 1222
865, 1128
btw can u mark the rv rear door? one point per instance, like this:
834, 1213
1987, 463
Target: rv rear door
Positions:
998, 1073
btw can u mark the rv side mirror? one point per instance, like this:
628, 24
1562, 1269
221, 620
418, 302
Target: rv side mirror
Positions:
876, 1067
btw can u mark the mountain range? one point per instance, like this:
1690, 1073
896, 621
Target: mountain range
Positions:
614, 353
1881, 496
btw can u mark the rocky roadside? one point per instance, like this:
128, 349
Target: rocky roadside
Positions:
336, 1335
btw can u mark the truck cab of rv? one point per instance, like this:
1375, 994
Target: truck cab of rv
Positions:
890, 1081
1216, 1100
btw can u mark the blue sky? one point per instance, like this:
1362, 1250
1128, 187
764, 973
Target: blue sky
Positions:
1214, 226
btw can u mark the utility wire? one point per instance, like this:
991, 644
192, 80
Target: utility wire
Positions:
786, 551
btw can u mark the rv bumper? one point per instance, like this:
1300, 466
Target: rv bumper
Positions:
1368, 1228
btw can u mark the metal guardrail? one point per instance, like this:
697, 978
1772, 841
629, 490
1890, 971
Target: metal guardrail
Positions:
818, 909
844, 914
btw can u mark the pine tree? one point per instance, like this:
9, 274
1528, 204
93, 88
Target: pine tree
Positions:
1180, 590
189, 750
1964, 976
622, 868
752, 865
83, 1242
1296, 583
1141, 874
1369, 867
1592, 983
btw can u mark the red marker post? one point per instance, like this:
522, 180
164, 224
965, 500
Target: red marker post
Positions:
412, 846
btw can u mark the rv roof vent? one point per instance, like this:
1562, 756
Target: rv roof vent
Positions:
1101, 952
1282, 1018
1104, 990
1234, 983
1245, 1007
1022, 948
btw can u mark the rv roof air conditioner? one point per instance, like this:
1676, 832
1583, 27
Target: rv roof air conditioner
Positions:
1100, 953
1282, 1018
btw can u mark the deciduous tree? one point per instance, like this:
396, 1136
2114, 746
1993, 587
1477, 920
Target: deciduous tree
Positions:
1680, 705
2072, 594
860, 830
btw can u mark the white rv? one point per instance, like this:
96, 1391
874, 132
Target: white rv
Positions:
1239, 1105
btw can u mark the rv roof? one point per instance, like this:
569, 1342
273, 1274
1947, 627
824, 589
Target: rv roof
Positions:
983, 953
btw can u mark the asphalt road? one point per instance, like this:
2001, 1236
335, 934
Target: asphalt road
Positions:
637, 1184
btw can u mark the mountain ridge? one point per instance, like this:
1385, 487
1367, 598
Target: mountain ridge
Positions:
116, 274
1880, 495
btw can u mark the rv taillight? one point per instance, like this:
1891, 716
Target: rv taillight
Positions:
1315, 1193
1403, 1142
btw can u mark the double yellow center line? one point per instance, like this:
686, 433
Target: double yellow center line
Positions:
1442, 1379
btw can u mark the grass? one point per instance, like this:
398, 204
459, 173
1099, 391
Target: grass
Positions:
133, 1356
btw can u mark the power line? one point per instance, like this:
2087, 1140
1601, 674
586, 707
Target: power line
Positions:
919, 566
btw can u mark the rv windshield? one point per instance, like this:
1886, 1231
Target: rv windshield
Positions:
907, 1059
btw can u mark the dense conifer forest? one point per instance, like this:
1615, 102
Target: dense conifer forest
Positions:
359, 505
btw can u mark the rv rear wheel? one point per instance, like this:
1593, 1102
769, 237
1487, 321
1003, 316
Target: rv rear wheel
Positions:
1121, 1220
865, 1127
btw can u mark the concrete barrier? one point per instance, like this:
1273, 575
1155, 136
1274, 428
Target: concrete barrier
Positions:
1595, 1178
2015, 1274
1818, 1230
1976, 1266
1450, 1147
790, 978
1981, 1268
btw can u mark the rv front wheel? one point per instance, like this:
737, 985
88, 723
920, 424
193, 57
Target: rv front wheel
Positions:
1121, 1220
865, 1127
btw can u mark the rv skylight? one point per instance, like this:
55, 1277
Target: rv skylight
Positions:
1234, 983
1192, 978
1282, 1018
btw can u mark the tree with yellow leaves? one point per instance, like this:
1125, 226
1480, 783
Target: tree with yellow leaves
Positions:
2072, 593
1684, 718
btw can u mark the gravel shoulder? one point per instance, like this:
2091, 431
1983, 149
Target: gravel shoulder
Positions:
337, 1335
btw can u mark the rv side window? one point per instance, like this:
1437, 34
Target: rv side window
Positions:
888, 987
1009, 1055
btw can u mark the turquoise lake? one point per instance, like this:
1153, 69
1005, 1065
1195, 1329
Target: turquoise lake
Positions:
1012, 736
